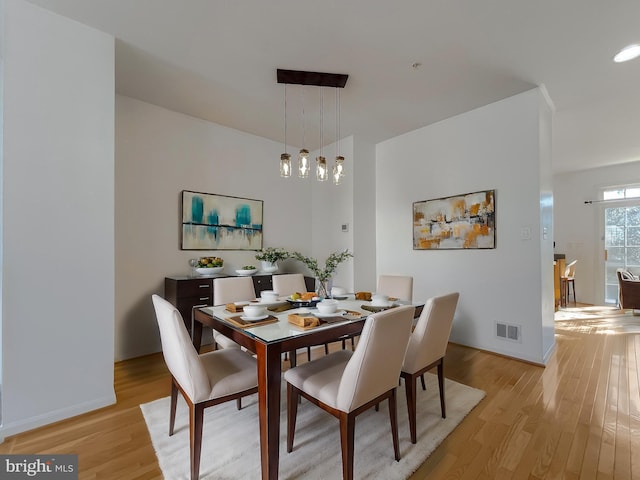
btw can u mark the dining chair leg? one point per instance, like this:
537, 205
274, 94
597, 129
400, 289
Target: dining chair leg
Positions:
441, 386
308, 354
326, 349
174, 404
196, 415
293, 359
353, 345
347, 434
292, 412
424, 387
410, 382
393, 418
238, 403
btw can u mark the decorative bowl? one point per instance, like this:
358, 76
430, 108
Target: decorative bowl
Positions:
269, 295
209, 271
327, 306
379, 300
303, 303
246, 272
254, 310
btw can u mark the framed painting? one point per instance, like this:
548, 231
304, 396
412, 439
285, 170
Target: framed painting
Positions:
460, 222
220, 222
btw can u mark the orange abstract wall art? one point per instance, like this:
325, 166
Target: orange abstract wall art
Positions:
460, 221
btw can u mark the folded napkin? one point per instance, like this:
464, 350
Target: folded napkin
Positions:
303, 320
235, 307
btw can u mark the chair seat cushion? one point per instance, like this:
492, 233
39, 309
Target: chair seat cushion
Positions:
320, 378
229, 371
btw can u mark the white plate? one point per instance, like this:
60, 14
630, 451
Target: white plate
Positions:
267, 303
337, 313
382, 304
253, 319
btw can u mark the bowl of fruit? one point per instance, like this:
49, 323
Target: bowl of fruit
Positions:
304, 299
247, 270
209, 265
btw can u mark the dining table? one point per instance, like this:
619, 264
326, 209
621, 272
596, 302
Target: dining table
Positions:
269, 340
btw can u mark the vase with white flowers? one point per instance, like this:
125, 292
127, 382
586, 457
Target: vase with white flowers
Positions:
324, 274
270, 257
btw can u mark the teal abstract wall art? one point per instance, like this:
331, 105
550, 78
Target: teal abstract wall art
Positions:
220, 222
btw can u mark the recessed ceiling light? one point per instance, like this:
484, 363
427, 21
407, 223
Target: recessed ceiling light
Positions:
627, 53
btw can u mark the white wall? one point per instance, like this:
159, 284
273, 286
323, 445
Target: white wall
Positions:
364, 216
57, 196
577, 225
159, 153
499, 146
333, 207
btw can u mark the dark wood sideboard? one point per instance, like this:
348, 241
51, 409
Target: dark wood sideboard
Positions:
187, 292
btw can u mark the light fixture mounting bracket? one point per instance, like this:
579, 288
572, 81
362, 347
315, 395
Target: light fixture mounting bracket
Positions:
299, 77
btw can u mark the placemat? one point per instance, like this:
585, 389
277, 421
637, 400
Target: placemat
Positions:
239, 322
375, 309
349, 315
281, 308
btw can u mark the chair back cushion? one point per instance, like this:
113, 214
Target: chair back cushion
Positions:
288, 283
398, 286
374, 367
429, 339
179, 353
570, 270
233, 289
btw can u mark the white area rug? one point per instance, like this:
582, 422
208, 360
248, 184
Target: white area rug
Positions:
230, 445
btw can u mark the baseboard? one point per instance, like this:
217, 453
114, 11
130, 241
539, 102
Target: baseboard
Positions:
8, 429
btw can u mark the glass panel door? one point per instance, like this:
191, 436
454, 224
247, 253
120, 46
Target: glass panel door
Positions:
622, 243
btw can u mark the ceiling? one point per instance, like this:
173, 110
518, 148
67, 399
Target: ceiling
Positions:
217, 60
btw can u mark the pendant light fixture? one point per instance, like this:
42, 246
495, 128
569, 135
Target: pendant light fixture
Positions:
321, 162
338, 167
319, 80
303, 156
285, 158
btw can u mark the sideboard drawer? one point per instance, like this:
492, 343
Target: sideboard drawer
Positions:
186, 293
194, 287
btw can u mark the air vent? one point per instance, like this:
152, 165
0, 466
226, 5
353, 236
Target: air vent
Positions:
509, 332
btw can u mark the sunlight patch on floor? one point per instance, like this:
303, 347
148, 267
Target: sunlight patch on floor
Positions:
603, 320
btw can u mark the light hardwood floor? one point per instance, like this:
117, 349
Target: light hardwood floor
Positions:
577, 418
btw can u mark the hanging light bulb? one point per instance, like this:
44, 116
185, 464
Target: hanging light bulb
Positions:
303, 156
338, 167
321, 168
338, 170
285, 158
321, 163
285, 165
303, 163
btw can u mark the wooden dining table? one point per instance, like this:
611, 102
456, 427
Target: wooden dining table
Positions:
269, 342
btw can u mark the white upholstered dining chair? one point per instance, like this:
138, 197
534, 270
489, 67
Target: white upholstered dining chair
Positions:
346, 383
230, 290
397, 286
426, 350
203, 380
394, 286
